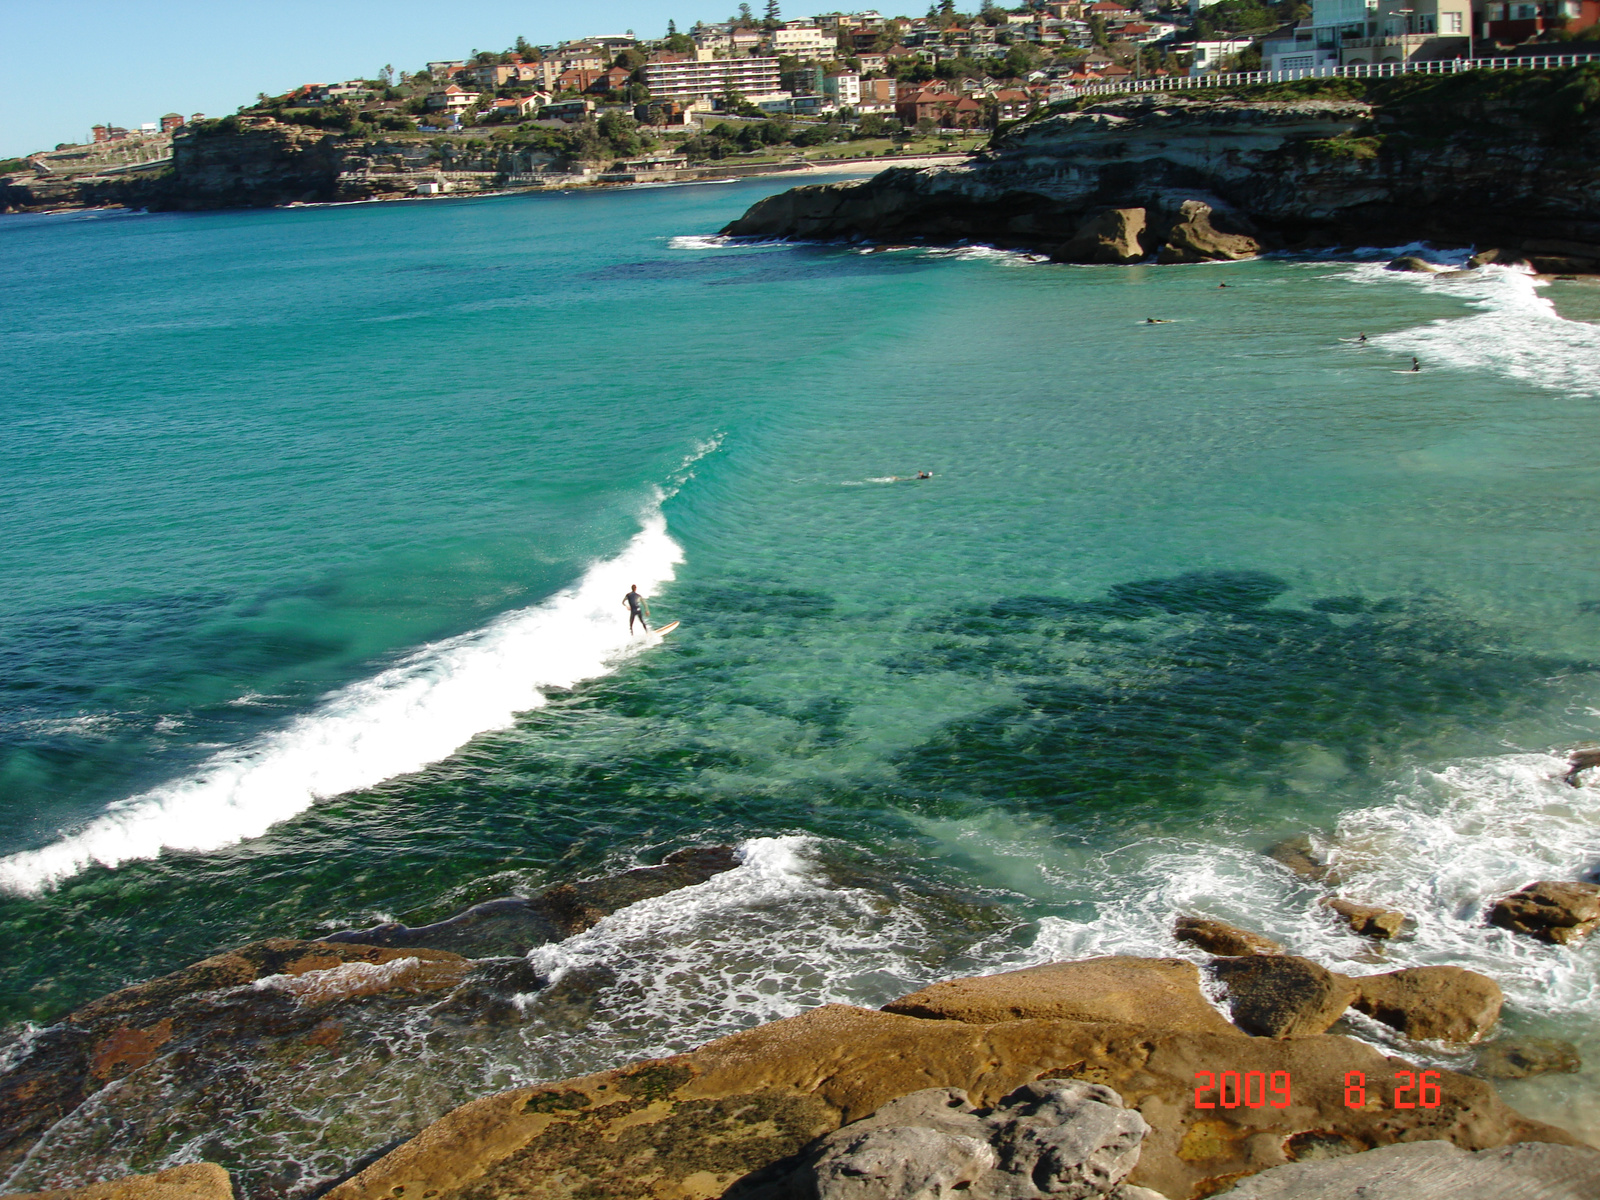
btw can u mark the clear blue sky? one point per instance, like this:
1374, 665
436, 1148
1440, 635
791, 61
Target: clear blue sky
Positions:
68, 64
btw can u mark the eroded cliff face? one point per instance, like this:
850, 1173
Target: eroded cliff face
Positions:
1188, 179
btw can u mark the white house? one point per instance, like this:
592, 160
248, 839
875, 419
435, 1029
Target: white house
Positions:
1210, 55
843, 88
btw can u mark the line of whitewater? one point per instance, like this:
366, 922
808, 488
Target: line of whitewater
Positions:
419, 711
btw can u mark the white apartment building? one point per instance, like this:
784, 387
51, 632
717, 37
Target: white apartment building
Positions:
750, 77
803, 42
843, 88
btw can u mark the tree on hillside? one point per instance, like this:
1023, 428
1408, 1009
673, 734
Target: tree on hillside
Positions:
746, 16
1022, 58
521, 46
773, 18
672, 28
947, 8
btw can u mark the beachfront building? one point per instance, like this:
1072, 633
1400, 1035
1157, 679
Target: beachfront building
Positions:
751, 78
1295, 48
1411, 31
1209, 56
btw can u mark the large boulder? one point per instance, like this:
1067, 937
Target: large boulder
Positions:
1448, 1004
1192, 238
1561, 913
692, 1126
192, 1181
1419, 1170
1157, 993
1052, 1138
1281, 996
1369, 920
1117, 235
1218, 937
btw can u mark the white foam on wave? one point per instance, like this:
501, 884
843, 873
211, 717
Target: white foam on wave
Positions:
1451, 840
416, 713
767, 940
1517, 332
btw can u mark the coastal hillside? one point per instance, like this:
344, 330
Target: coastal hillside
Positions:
1506, 160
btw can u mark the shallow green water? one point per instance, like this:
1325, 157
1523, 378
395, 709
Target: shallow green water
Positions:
293, 497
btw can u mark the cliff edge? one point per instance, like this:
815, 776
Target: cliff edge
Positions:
1503, 159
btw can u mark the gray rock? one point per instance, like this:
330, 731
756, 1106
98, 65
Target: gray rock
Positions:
1424, 1170
1062, 1139
1412, 264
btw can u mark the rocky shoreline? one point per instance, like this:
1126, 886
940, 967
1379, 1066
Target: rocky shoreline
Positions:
1181, 179
1128, 1078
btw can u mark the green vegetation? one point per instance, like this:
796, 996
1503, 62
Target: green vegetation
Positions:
1345, 148
1248, 16
8, 165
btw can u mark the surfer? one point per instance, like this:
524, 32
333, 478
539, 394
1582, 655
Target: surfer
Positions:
1415, 365
924, 474
638, 610
1362, 340
1157, 321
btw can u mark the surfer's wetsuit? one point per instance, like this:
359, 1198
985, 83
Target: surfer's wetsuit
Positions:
635, 603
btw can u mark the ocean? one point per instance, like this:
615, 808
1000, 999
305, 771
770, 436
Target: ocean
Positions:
318, 523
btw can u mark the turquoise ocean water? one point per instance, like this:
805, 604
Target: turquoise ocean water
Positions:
318, 523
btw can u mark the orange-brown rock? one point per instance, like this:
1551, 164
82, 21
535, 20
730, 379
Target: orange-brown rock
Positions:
192, 1181
1448, 1004
1560, 913
1156, 993
1369, 920
1218, 937
691, 1127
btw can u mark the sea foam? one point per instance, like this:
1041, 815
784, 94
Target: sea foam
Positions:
415, 713
1516, 333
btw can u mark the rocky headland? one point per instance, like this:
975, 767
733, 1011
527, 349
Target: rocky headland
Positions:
1119, 1077
1504, 160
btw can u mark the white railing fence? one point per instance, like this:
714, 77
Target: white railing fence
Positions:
1443, 66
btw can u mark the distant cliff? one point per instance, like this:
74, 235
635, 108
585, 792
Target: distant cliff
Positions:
257, 162
1504, 159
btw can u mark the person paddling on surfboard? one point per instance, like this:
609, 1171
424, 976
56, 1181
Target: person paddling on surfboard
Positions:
638, 610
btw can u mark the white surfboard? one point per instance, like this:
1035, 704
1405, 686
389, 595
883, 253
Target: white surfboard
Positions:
666, 629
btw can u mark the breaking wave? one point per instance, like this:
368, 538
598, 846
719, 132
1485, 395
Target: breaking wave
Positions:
413, 714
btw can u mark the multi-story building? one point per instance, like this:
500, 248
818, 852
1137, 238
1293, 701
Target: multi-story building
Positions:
452, 99
749, 77
803, 42
171, 122
843, 88
1410, 30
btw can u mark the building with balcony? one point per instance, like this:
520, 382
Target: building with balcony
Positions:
802, 42
749, 77
1411, 31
